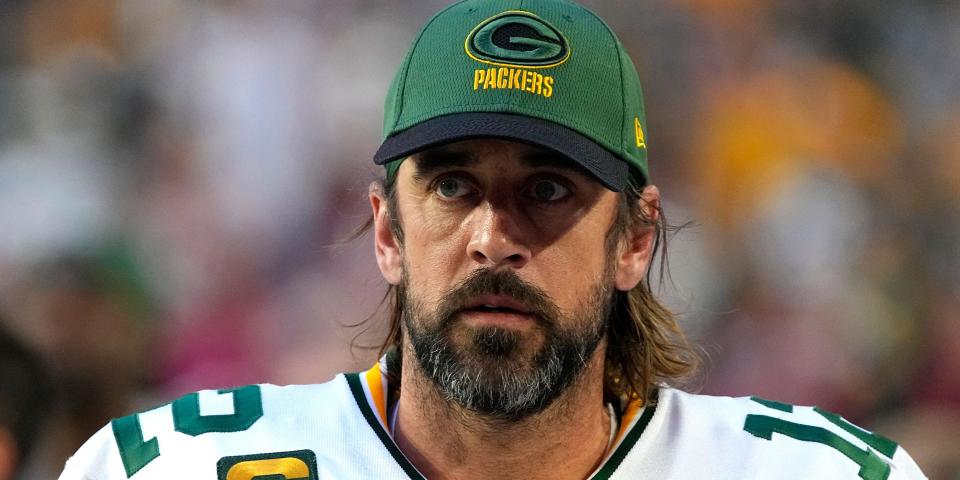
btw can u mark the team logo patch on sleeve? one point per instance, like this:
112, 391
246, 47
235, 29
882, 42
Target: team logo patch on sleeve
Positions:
296, 465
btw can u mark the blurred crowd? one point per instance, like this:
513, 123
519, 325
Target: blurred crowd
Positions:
176, 178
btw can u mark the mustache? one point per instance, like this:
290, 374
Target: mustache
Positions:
498, 282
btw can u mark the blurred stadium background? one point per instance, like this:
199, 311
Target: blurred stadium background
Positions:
173, 174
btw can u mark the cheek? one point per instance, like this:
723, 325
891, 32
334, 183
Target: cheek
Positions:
571, 267
433, 253
574, 270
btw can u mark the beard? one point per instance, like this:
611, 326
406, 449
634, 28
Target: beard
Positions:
498, 372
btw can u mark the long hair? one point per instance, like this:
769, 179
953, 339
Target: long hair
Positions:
645, 345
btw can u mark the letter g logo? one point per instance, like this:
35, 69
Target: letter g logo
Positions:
517, 38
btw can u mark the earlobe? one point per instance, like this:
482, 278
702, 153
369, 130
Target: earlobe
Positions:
636, 251
386, 246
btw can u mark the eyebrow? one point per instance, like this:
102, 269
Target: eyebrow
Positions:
432, 161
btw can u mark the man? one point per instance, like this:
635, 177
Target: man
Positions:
516, 226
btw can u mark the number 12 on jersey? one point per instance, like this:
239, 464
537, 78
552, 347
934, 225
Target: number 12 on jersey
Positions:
871, 466
136, 452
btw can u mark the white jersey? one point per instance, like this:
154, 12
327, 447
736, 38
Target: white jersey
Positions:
340, 430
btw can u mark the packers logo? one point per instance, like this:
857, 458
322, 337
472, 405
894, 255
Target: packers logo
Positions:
298, 465
517, 38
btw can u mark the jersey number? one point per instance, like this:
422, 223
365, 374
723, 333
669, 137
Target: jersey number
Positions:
136, 452
871, 466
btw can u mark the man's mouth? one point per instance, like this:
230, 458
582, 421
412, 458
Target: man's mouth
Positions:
497, 304
493, 309
496, 309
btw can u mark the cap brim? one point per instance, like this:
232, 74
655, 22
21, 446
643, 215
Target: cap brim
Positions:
609, 169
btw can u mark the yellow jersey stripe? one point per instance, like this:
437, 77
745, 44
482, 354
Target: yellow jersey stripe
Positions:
373, 379
626, 421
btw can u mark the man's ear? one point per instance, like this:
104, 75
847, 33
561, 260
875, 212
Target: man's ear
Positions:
636, 250
386, 245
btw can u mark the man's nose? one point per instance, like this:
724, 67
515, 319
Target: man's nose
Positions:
497, 239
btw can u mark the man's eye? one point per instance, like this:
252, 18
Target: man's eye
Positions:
452, 188
549, 191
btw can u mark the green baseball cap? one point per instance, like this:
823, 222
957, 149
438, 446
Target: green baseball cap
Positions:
545, 72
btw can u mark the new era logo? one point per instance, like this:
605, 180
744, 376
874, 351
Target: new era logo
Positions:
638, 130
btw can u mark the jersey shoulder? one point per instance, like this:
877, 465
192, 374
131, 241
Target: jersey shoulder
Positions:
751, 437
213, 430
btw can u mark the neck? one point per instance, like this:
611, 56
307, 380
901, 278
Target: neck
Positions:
444, 440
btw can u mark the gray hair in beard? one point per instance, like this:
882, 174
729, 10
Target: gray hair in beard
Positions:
488, 375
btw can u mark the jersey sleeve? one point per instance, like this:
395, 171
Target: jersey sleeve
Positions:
904, 467
797, 430
276, 432
97, 459
753, 438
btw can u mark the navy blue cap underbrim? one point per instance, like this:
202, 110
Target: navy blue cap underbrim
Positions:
608, 168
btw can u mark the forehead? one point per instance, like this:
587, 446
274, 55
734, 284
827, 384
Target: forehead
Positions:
493, 153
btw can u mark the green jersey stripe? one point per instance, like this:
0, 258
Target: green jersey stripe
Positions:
356, 387
628, 442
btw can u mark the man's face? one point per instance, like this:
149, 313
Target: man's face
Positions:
506, 275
